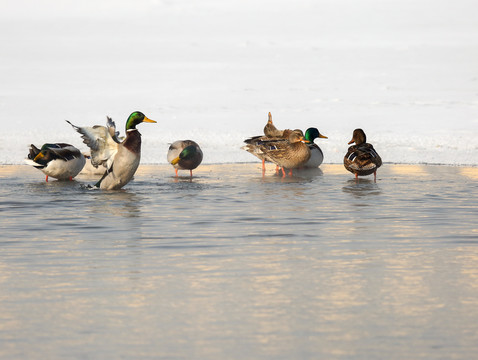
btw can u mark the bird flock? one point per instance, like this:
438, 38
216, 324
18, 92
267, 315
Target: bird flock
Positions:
119, 156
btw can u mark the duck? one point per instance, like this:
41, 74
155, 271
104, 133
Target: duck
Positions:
271, 133
253, 144
255, 150
361, 159
184, 155
270, 130
60, 161
120, 157
290, 154
316, 154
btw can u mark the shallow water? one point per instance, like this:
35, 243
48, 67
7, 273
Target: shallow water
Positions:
233, 265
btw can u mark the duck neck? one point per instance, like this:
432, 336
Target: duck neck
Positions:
133, 141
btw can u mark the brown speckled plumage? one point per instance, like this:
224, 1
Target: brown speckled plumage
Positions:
361, 159
270, 130
289, 154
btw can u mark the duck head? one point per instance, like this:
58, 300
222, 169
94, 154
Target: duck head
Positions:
313, 133
295, 137
44, 156
136, 118
188, 153
358, 137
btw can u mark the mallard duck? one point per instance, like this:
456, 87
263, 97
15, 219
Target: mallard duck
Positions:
270, 130
316, 154
290, 154
120, 158
361, 159
254, 144
184, 155
60, 161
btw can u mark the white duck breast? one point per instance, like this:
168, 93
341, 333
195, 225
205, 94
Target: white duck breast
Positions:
316, 157
122, 170
64, 170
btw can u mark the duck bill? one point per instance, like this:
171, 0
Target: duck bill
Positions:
38, 157
323, 136
148, 120
175, 161
351, 141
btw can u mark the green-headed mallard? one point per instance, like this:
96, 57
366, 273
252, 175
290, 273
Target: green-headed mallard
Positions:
361, 159
120, 158
60, 161
184, 155
316, 154
290, 154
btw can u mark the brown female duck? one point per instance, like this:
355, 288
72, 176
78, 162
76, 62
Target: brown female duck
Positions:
271, 134
362, 159
290, 154
270, 130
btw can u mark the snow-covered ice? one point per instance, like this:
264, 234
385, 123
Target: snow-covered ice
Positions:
404, 71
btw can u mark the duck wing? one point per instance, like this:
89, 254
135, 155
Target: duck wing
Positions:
102, 145
112, 130
258, 140
65, 152
275, 149
261, 146
362, 158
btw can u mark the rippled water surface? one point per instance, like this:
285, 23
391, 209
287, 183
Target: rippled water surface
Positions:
233, 265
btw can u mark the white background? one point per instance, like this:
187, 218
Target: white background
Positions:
406, 71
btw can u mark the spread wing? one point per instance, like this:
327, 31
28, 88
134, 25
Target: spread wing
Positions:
99, 140
112, 130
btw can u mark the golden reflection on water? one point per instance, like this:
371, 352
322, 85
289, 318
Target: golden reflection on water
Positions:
334, 169
406, 290
409, 170
361, 188
470, 172
468, 259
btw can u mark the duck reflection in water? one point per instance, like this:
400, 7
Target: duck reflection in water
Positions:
361, 188
117, 203
300, 176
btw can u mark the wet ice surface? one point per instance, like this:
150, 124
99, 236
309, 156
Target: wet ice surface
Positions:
231, 264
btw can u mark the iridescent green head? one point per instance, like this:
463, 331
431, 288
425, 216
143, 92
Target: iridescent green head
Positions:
136, 118
188, 152
313, 133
